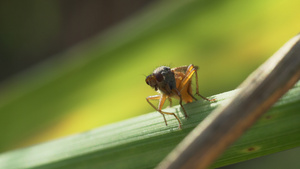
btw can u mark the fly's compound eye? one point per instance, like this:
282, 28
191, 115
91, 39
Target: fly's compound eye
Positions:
147, 80
159, 77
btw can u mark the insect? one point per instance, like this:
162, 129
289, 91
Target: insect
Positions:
173, 83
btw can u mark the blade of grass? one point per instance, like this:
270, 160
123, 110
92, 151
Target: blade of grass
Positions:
143, 141
43, 98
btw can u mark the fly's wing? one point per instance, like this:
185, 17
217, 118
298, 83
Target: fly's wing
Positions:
182, 69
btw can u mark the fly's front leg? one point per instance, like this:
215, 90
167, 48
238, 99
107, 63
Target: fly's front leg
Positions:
156, 97
160, 105
162, 100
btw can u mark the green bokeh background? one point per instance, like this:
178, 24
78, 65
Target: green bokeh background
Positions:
101, 81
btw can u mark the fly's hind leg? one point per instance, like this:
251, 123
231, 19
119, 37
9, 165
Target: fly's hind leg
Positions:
162, 100
197, 89
189, 73
189, 92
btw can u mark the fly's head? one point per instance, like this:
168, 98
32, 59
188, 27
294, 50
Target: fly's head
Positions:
162, 79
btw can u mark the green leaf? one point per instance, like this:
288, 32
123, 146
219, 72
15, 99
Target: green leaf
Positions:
143, 141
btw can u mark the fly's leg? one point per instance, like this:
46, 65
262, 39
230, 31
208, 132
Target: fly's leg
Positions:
156, 97
180, 102
162, 100
170, 100
188, 90
189, 73
197, 89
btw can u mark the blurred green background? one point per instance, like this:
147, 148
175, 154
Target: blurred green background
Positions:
70, 66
